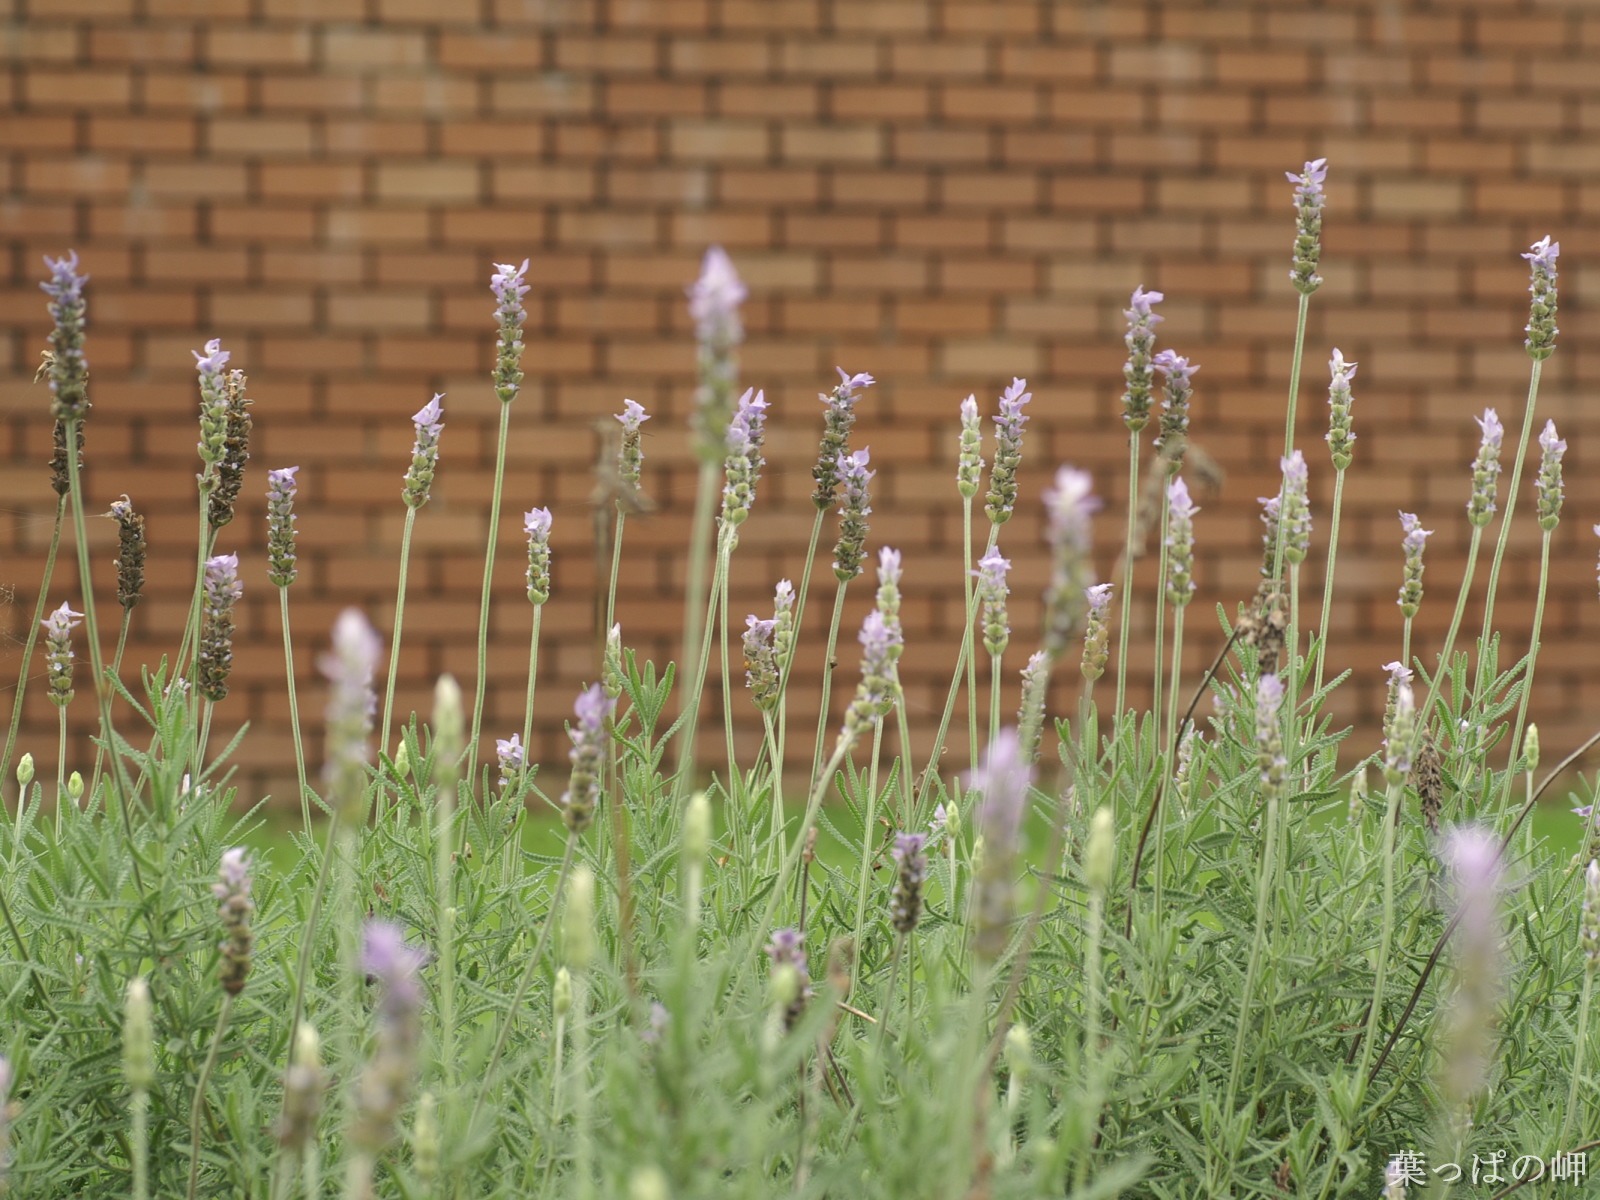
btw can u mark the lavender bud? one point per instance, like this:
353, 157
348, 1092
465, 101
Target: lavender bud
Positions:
536, 523
234, 910
138, 1038
235, 452
969, 460
449, 730
992, 592
714, 301
1485, 469
1400, 731
75, 787
1549, 488
1412, 543
791, 975
561, 993
58, 656
1136, 372
1589, 929
1473, 855
1530, 748
351, 705
429, 423
742, 467
1002, 497
509, 753
1180, 543
761, 663
1340, 436
1097, 631
281, 532
888, 598
587, 756
836, 425
1173, 439
221, 591
425, 1139
630, 459
1069, 505
213, 411
1359, 787
509, 288
1541, 328
25, 772
1003, 779
911, 871
1296, 509
850, 549
875, 694
1308, 202
783, 622
386, 1080
68, 370
1030, 715
1269, 734
1270, 506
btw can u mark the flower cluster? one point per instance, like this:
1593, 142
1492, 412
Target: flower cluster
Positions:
791, 974
875, 694
762, 667
68, 370
1589, 928
213, 410
1549, 490
783, 622
235, 452
1485, 469
1340, 436
1473, 856
1269, 734
587, 756
385, 1082
536, 524
1541, 328
1308, 203
1002, 497
888, 597
630, 458
911, 871
992, 592
510, 756
850, 549
1296, 512
131, 549
221, 590
742, 467
429, 423
508, 287
714, 300
1173, 439
1069, 505
1030, 713
1138, 377
836, 425
281, 488
351, 704
1096, 631
969, 460
1003, 779
234, 910
303, 1086
58, 627
1413, 543
1400, 727
1180, 543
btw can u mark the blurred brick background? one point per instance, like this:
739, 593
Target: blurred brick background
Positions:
944, 194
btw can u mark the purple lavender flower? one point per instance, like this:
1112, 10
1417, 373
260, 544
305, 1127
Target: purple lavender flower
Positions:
1069, 506
630, 459
742, 467
888, 598
386, 1080
969, 460
281, 532
221, 591
1270, 507
429, 422
911, 870
1002, 498
1136, 372
836, 425
1173, 439
992, 592
58, 655
1035, 683
1400, 727
351, 706
234, 909
1549, 488
510, 755
1485, 469
213, 410
1296, 508
1269, 734
783, 622
1541, 327
1308, 203
879, 685
131, 549
211, 362
714, 301
508, 287
1473, 855
1413, 543
761, 663
68, 369
1180, 543
228, 478
536, 523
587, 756
1004, 780
1340, 436
850, 549
787, 952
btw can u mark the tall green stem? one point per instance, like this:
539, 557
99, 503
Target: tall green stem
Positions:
394, 641
488, 587
198, 1105
968, 653
294, 715
445, 917
533, 675
727, 689
994, 698
616, 570
1171, 744
1127, 577
1263, 898
1527, 676
827, 674
1579, 1052
702, 535
1443, 669
1327, 581
691, 710
868, 839
33, 639
1505, 519
1161, 617
1395, 793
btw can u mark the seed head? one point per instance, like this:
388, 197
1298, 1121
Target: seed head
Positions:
222, 590
235, 452
234, 910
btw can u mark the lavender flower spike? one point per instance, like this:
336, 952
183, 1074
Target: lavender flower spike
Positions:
429, 422
1004, 780
875, 694
281, 532
1473, 855
510, 755
68, 370
234, 910
1136, 372
222, 590
131, 548
1549, 488
1173, 440
715, 297
385, 1081
911, 870
213, 410
1097, 631
714, 301
969, 461
1415, 539
58, 656
1002, 497
587, 756
536, 523
1069, 507
836, 425
351, 705
1400, 731
992, 591
850, 550
630, 458
1308, 202
761, 663
1035, 682
1180, 543
1485, 469
742, 467
508, 287
888, 598
1541, 327
1296, 513
1340, 436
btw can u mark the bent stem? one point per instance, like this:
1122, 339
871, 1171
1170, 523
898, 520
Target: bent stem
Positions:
533, 674
33, 639
488, 585
1327, 584
1505, 519
197, 1105
294, 718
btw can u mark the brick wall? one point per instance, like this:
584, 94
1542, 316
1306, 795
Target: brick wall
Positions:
942, 193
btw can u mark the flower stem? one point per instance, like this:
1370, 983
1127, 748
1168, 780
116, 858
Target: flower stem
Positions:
868, 838
702, 535
1161, 617
1579, 1052
294, 716
444, 816
1127, 576
488, 587
827, 673
197, 1106
1390, 823
691, 711
1443, 669
61, 765
616, 570
727, 688
533, 675
1527, 677
994, 697
1505, 520
1327, 582
139, 1148
967, 653
33, 640
1247, 996
394, 641
1171, 744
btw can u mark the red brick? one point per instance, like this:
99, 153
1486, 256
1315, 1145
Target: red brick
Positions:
356, 49
234, 45
77, 89
164, 135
